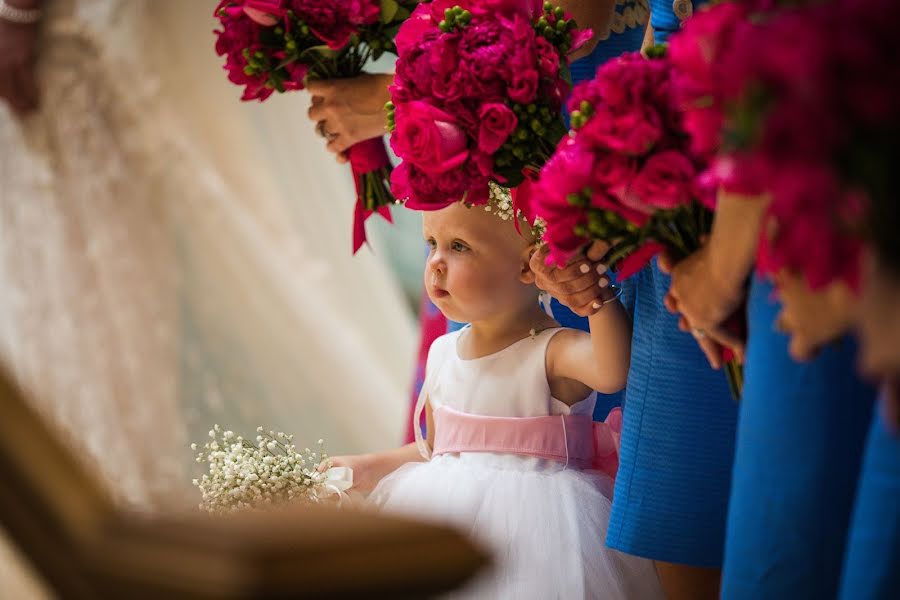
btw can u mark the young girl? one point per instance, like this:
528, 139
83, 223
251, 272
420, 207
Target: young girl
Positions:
512, 454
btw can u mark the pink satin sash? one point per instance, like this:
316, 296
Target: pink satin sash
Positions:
575, 440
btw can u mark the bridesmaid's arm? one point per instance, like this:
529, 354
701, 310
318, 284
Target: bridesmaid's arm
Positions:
708, 286
594, 14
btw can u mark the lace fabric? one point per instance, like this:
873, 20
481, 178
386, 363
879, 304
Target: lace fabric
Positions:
170, 258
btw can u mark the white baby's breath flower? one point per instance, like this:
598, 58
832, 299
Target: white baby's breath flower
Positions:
243, 475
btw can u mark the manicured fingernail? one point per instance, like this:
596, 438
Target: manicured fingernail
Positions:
584, 268
601, 269
603, 282
595, 305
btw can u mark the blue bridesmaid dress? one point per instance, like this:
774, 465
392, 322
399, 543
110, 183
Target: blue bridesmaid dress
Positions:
799, 448
677, 443
872, 563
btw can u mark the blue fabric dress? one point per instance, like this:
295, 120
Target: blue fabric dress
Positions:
799, 447
872, 564
677, 443
624, 38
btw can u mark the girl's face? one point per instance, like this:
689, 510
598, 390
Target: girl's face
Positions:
477, 266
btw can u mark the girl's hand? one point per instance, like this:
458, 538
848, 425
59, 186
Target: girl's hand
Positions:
813, 318
582, 285
18, 86
349, 110
705, 302
366, 475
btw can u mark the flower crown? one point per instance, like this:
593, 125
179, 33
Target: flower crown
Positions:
500, 203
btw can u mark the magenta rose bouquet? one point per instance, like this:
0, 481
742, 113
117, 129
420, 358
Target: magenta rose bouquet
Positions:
808, 111
275, 45
477, 98
627, 174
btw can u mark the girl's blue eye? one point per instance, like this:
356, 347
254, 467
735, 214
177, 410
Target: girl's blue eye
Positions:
458, 247
431, 243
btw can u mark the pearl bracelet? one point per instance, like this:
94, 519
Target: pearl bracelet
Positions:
20, 16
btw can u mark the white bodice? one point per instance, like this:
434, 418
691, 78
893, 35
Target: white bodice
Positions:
509, 383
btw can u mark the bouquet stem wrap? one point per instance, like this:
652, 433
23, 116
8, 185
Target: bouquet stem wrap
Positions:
371, 171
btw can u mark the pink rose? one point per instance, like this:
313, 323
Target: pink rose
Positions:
631, 131
424, 191
614, 173
497, 122
428, 138
569, 170
415, 28
666, 181
523, 87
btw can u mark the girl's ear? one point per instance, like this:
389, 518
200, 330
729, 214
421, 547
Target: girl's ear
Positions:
526, 275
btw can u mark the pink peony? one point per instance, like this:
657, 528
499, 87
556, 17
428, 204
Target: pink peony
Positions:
429, 138
497, 122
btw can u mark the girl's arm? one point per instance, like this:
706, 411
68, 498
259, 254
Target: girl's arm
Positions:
369, 469
598, 360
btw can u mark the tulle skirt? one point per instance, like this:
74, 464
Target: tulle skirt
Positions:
544, 525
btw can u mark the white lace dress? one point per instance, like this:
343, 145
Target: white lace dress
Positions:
544, 523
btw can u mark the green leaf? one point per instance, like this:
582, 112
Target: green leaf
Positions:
322, 50
389, 10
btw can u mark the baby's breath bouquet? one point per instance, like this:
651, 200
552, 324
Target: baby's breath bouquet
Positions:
246, 475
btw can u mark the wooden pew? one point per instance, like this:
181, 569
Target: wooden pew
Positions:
83, 546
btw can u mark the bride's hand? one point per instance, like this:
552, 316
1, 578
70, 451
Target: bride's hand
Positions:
579, 285
349, 110
18, 86
365, 474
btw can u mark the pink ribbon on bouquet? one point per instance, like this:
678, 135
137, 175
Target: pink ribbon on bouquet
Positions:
365, 157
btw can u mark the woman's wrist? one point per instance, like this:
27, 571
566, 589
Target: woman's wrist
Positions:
734, 240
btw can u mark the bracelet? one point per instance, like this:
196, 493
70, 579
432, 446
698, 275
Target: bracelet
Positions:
617, 293
20, 16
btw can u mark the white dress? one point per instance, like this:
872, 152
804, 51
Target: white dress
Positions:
545, 523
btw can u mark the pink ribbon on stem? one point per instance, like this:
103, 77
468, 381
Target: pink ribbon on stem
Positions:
365, 157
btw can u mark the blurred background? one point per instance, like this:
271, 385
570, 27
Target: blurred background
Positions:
171, 258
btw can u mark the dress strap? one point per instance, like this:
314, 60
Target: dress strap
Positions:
574, 440
430, 377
